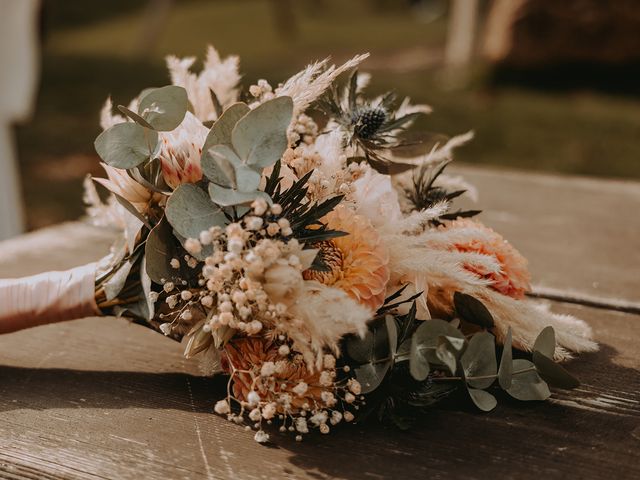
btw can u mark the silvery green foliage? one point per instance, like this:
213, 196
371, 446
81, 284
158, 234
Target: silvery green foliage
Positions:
241, 143
127, 145
435, 358
190, 211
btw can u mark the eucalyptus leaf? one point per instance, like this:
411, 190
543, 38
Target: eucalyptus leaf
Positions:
220, 133
472, 310
260, 137
418, 362
223, 167
554, 374
227, 197
479, 360
546, 342
527, 386
483, 400
392, 333
135, 117
217, 166
445, 353
374, 346
505, 371
427, 336
116, 283
164, 108
126, 145
371, 375
190, 211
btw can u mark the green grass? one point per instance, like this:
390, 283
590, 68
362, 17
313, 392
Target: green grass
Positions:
91, 53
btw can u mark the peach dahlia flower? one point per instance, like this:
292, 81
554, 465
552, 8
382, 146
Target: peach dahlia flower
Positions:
513, 278
357, 262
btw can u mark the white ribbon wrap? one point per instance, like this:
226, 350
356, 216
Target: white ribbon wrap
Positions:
49, 297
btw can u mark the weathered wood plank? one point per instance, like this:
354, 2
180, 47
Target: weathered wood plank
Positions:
73, 406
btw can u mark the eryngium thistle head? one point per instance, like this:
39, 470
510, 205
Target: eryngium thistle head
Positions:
368, 120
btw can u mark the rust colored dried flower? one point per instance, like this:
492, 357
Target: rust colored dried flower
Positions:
513, 279
257, 366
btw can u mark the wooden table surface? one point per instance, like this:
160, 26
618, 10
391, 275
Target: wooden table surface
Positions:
101, 398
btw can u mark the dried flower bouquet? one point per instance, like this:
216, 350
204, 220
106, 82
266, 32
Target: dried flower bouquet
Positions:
312, 259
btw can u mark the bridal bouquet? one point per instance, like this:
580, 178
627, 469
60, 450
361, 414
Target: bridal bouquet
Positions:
292, 238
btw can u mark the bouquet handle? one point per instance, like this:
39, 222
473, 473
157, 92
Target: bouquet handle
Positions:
49, 297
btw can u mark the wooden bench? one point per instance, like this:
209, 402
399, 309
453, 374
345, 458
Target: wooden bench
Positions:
102, 398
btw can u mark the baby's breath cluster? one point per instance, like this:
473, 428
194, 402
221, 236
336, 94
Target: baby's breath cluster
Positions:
271, 382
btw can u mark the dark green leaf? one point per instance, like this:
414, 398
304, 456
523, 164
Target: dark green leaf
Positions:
554, 374
371, 375
427, 336
505, 371
161, 247
483, 400
445, 353
418, 362
472, 310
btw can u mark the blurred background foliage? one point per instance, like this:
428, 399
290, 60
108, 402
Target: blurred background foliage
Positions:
549, 119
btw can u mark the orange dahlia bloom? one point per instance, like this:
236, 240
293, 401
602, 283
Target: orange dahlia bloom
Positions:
249, 354
513, 278
357, 262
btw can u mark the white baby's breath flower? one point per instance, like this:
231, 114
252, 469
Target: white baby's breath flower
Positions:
300, 389
261, 436
222, 407
193, 246
253, 398
268, 369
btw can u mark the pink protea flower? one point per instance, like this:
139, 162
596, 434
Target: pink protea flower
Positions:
180, 152
358, 262
514, 277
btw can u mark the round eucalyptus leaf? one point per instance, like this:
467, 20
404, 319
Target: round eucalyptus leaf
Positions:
260, 137
472, 310
164, 108
126, 145
483, 400
392, 333
479, 360
371, 375
427, 336
227, 197
135, 117
505, 371
220, 133
418, 362
446, 353
218, 165
546, 342
190, 211
554, 374
527, 386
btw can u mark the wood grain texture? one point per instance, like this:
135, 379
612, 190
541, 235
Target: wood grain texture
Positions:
73, 406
